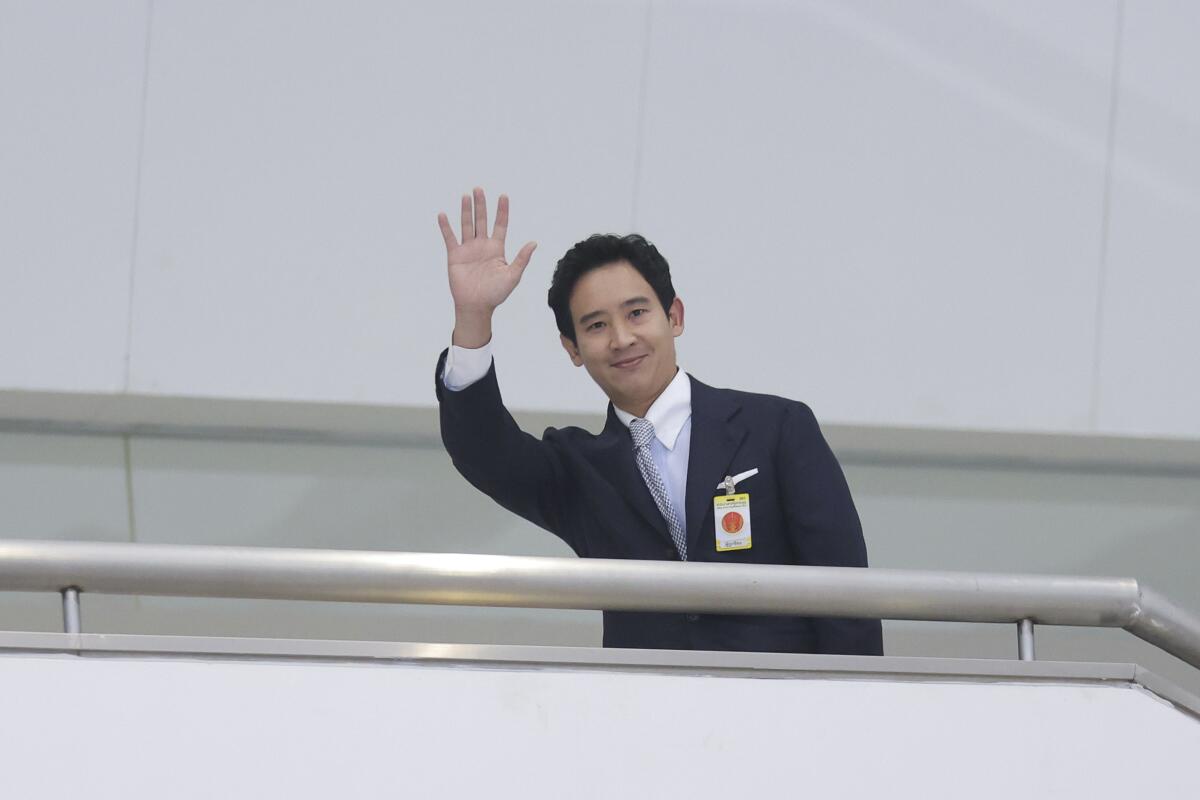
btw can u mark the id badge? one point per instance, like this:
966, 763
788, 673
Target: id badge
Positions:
731, 515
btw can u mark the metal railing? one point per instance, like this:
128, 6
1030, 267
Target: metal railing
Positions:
72, 568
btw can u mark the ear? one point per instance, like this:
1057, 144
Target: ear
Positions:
571, 349
675, 317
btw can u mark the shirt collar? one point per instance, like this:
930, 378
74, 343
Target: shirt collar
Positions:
669, 412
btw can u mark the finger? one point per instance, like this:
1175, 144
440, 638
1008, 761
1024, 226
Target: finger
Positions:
468, 227
522, 260
447, 232
480, 214
501, 229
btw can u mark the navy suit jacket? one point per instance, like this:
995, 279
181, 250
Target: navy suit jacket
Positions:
586, 489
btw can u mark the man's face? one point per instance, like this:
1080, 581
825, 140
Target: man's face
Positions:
623, 336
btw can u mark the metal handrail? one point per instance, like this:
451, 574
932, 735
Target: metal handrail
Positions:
611, 584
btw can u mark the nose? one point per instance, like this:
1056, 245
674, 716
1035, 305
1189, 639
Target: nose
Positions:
622, 336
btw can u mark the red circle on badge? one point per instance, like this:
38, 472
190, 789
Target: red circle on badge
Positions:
732, 522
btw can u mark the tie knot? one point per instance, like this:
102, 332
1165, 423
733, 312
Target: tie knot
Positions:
642, 431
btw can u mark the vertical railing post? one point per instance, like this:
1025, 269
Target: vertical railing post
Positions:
72, 622
1025, 640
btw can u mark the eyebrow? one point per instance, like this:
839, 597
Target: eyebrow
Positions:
633, 301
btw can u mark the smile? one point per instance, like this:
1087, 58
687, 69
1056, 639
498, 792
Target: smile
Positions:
629, 363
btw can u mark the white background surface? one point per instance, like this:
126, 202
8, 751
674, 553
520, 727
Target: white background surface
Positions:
292, 176
203, 729
899, 204
969, 216
1150, 372
71, 81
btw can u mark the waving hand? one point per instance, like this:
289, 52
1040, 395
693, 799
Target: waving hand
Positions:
480, 277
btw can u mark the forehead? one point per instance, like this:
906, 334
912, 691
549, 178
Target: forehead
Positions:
607, 287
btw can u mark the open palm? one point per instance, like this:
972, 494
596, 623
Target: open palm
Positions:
480, 277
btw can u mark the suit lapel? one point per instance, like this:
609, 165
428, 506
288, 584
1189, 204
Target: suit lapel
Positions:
615, 454
716, 437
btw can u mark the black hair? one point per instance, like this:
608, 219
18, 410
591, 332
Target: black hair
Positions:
599, 250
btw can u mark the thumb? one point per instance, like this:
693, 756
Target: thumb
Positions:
522, 260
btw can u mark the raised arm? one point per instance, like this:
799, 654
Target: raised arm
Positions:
487, 447
480, 277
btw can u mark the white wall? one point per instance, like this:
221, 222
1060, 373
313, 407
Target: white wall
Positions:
1148, 370
137, 727
71, 84
974, 215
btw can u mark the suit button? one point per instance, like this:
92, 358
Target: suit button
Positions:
693, 617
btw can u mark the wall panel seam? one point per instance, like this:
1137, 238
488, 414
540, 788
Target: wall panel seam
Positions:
1106, 216
137, 196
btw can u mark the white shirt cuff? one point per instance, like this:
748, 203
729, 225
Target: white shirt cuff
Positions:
465, 366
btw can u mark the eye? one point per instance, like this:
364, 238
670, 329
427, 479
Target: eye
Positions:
637, 312
595, 326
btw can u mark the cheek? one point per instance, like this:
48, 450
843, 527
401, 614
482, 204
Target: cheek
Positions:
590, 356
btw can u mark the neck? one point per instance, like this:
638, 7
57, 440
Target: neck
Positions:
640, 408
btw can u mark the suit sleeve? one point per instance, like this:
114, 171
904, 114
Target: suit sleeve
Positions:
489, 449
823, 524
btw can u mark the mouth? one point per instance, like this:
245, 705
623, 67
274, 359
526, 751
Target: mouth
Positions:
628, 363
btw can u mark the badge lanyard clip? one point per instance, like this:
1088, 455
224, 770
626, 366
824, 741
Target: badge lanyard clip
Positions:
732, 480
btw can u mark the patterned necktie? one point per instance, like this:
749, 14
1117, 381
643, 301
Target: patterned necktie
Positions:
643, 433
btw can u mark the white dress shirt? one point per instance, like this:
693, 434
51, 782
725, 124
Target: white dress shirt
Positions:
671, 416
465, 365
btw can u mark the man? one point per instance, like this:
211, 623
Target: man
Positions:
647, 486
